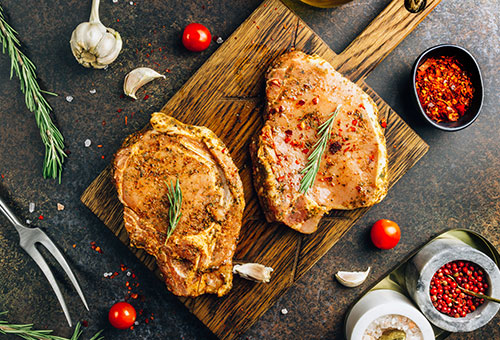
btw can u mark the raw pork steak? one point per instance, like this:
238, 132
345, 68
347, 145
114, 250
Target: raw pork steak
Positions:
197, 258
302, 92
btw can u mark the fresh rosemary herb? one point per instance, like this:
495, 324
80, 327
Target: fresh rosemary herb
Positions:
314, 159
27, 332
174, 196
35, 102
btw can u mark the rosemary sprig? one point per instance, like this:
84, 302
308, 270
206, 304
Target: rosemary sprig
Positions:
35, 102
28, 333
314, 159
174, 196
470, 292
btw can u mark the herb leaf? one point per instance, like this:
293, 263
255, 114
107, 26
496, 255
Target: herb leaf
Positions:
27, 332
314, 159
174, 196
24, 69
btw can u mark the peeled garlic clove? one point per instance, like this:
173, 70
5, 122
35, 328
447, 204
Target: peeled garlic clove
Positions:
135, 79
253, 271
352, 279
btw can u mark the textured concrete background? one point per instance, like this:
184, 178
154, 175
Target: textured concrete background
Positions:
456, 185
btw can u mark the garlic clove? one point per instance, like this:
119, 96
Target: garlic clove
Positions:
106, 44
253, 271
87, 35
93, 35
352, 279
138, 77
109, 47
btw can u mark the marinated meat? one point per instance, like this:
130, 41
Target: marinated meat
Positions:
302, 92
197, 258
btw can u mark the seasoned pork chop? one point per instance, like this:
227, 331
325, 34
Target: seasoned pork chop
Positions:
197, 258
302, 92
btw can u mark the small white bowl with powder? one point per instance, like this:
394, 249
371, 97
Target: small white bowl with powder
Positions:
383, 311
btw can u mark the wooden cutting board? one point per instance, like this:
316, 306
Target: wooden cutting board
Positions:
226, 95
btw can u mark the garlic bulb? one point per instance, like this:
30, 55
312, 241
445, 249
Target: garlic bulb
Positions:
93, 44
253, 271
137, 78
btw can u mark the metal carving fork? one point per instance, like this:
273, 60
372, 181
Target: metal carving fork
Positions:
28, 238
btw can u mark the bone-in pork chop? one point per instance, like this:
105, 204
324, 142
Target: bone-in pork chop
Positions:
302, 92
197, 258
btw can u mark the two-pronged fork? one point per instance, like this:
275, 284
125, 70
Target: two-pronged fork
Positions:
28, 238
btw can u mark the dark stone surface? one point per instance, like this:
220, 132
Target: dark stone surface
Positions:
456, 185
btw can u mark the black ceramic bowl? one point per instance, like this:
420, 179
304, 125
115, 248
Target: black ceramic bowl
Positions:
471, 66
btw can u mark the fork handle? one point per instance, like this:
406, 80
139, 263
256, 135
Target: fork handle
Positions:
9, 214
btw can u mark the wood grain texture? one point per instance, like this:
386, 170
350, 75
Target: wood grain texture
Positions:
379, 38
226, 95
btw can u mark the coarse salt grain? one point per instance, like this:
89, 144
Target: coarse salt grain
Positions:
129, 273
28, 221
284, 311
136, 323
115, 1
92, 91
131, 3
31, 207
219, 40
87, 143
69, 99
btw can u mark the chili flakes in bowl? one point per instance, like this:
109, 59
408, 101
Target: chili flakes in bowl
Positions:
444, 88
448, 87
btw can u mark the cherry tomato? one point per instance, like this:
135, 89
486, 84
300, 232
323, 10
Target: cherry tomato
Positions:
122, 315
196, 37
385, 234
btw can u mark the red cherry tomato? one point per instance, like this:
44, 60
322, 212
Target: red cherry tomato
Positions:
196, 37
385, 234
122, 315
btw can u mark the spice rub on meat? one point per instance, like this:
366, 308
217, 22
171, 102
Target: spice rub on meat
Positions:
197, 258
302, 92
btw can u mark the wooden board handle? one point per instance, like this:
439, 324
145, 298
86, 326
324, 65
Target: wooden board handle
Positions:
381, 36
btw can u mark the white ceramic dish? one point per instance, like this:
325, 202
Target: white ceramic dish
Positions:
382, 302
